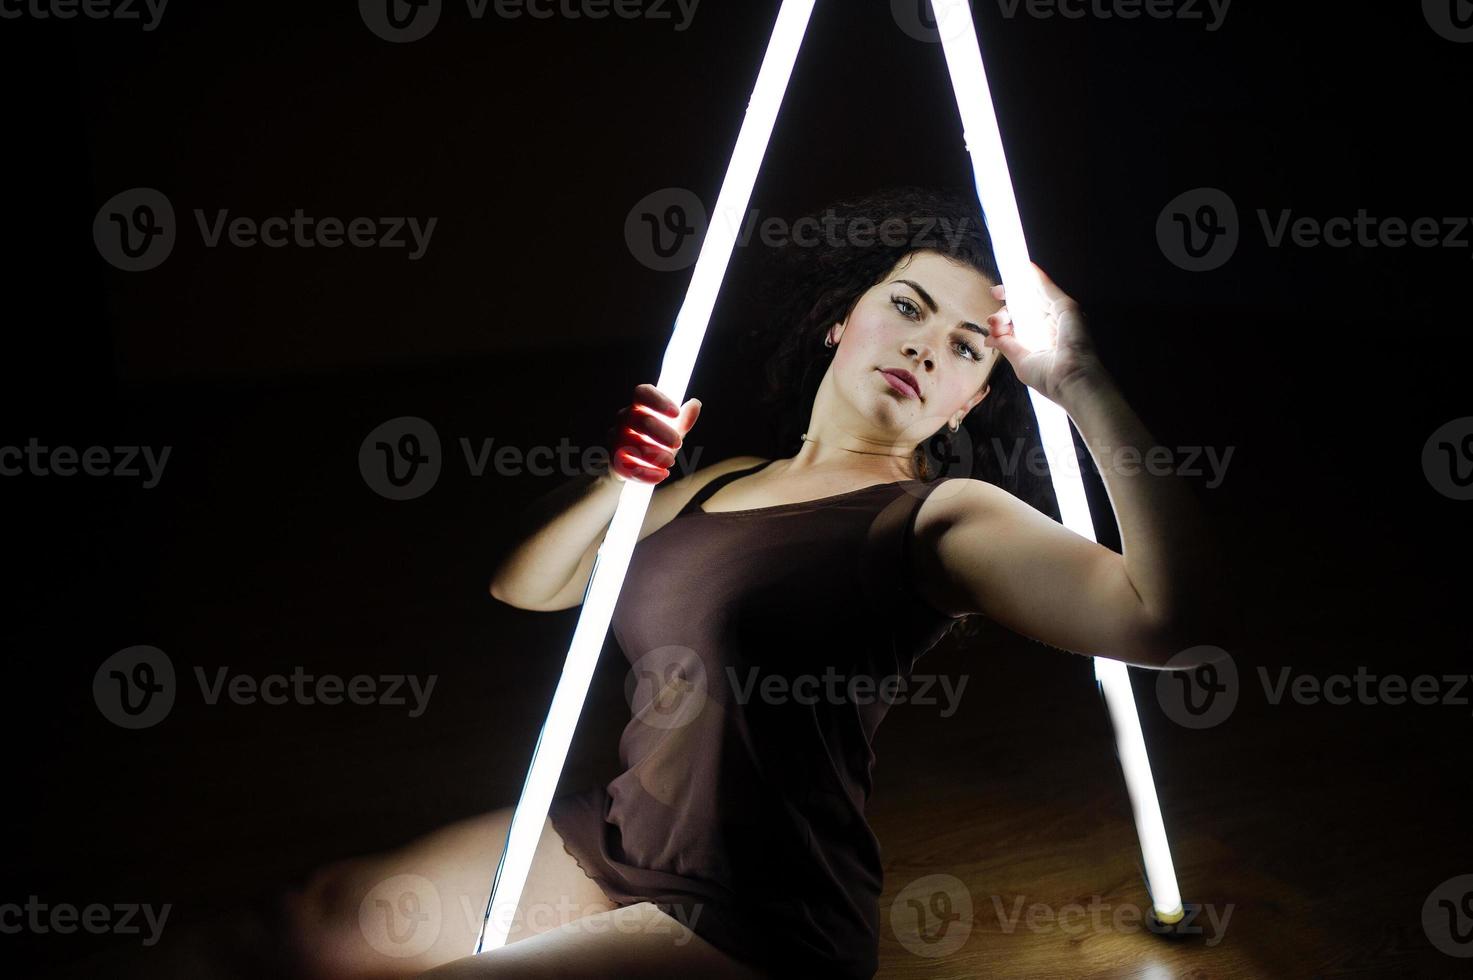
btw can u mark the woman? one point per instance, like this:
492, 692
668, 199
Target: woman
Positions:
734, 844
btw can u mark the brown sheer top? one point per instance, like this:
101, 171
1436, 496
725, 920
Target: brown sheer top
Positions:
758, 642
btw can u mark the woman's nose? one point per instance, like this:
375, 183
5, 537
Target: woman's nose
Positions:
915, 350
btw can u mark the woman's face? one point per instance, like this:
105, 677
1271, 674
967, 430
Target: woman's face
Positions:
927, 316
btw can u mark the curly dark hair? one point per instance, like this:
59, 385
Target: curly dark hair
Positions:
811, 285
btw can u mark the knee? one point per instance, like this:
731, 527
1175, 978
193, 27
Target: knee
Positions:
318, 915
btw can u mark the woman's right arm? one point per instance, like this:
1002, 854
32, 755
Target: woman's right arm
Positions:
550, 566
566, 527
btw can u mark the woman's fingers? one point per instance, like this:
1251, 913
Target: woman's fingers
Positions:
629, 467
1052, 294
648, 394
689, 412
632, 458
657, 428
647, 434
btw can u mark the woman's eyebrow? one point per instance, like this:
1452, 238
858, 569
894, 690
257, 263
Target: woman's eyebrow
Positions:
926, 297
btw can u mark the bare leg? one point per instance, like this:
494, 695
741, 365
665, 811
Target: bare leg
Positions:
636, 942
403, 912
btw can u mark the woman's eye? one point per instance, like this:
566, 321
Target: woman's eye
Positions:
963, 348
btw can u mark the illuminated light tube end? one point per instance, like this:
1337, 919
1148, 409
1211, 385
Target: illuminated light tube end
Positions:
1180, 923
1169, 918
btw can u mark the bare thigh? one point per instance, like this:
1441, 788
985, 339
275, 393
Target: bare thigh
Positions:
636, 942
406, 911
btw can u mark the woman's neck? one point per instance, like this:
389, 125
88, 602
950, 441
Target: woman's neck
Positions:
827, 456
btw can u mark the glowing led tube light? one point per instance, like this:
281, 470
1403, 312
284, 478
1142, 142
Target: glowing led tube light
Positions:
1005, 227
612, 559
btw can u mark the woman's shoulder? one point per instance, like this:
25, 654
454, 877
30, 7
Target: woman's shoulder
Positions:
948, 501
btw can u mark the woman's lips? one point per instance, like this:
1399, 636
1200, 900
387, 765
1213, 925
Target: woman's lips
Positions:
900, 385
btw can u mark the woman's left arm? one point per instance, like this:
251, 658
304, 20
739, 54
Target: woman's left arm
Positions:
990, 552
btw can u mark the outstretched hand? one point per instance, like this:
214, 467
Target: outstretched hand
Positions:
1070, 357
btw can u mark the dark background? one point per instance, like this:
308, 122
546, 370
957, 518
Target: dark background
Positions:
529, 320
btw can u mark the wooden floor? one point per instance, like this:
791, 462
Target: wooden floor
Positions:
1309, 840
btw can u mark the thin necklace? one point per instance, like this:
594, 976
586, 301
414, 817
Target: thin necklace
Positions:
864, 452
